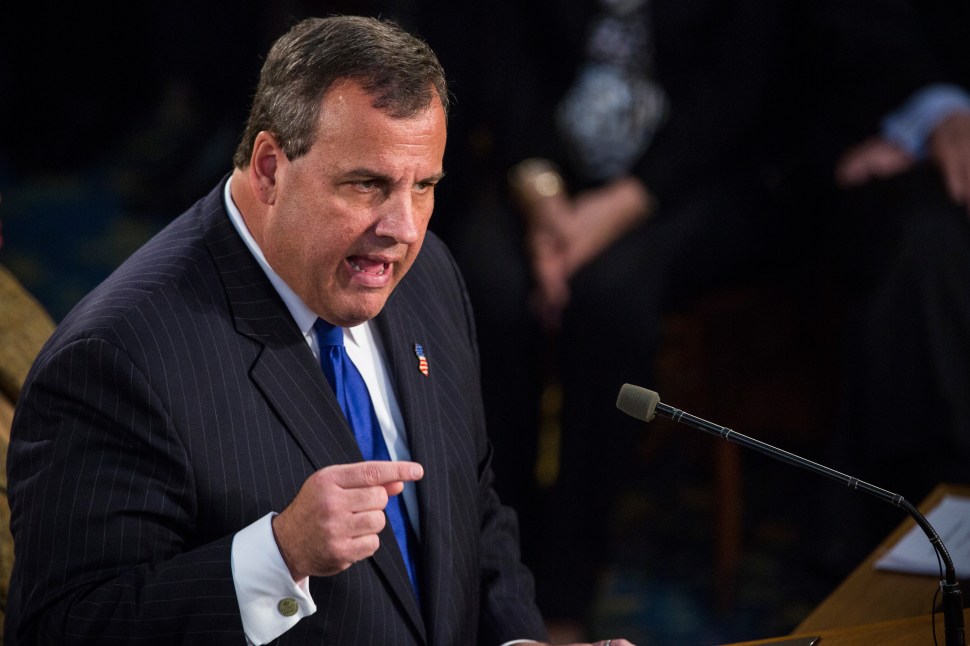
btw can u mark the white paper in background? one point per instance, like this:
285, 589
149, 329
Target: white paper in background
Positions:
914, 554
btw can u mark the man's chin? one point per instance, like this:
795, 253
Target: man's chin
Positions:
357, 309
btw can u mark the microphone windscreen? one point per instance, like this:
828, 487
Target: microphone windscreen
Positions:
637, 402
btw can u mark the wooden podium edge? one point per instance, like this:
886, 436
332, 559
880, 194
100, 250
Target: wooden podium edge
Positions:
868, 595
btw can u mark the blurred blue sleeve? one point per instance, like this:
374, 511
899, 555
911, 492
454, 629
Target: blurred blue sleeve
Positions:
911, 125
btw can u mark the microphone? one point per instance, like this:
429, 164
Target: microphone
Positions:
644, 404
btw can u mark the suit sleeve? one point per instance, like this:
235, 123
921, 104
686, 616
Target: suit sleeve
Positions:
103, 509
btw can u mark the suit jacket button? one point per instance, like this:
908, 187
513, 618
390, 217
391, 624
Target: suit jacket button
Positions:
288, 606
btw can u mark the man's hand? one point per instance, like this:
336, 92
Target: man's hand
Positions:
335, 518
603, 215
950, 149
873, 158
564, 235
547, 239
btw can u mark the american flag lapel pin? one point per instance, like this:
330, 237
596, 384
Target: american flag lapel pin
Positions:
422, 360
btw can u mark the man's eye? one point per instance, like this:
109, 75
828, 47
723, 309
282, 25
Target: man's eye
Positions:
366, 184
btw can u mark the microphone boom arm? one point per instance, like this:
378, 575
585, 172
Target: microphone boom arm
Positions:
642, 404
725, 433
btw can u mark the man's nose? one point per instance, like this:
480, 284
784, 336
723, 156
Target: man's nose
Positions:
401, 216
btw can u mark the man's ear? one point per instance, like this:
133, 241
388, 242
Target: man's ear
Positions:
264, 166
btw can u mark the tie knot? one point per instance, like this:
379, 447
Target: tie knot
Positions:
327, 334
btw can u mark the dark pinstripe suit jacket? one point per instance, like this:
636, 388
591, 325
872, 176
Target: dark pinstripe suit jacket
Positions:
179, 402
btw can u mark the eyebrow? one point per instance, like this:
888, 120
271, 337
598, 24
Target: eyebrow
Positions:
437, 177
364, 172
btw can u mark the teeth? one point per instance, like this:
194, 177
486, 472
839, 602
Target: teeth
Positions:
359, 268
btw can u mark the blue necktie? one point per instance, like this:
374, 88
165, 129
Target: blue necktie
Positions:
354, 400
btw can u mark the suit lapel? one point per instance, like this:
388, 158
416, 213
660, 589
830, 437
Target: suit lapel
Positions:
400, 329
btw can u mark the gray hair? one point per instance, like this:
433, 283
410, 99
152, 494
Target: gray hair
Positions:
398, 69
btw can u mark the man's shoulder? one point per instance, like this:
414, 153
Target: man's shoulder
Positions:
434, 262
434, 292
158, 277
435, 276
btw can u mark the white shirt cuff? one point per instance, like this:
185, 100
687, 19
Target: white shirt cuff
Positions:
270, 602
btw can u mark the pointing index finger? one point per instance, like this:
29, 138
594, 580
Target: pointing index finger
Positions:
376, 473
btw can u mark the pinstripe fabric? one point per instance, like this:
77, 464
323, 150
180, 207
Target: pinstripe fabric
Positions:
178, 403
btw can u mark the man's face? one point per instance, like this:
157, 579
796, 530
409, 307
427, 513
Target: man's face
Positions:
349, 217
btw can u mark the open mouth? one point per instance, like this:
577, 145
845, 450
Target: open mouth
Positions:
367, 266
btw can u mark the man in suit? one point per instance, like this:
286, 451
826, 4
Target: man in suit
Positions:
181, 468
